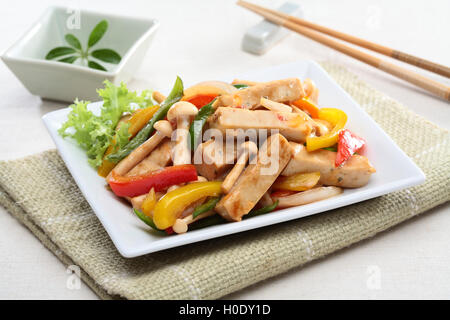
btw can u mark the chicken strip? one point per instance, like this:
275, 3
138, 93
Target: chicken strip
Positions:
294, 126
279, 90
354, 173
257, 178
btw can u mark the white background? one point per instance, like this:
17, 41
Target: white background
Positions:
201, 40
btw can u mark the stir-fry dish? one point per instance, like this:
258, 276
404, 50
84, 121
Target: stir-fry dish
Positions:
218, 152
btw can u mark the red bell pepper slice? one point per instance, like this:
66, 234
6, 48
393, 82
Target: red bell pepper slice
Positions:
201, 100
169, 230
159, 179
348, 144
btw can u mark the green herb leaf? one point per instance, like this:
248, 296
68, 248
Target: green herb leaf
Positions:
175, 95
147, 220
95, 65
106, 55
116, 101
240, 86
123, 135
97, 33
95, 133
70, 59
195, 130
262, 210
88, 130
207, 206
58, 52
73, 41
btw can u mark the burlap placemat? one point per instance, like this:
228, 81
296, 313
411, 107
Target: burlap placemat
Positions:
39, 191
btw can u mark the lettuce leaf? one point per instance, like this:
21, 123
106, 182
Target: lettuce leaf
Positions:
94, 133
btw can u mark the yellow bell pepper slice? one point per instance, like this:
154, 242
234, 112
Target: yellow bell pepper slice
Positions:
137, 121
297, 182
338, 119
169, 207
149, 203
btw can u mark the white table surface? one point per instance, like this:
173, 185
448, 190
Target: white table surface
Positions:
201, 40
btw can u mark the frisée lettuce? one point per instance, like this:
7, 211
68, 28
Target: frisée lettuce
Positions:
94, 132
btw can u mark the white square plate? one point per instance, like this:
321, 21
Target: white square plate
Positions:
132, 238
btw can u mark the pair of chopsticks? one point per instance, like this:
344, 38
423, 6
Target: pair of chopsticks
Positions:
315, 32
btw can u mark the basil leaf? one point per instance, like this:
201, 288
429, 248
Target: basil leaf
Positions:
106, 55
262, 210
58, 52
73, 41
97, 33
147, 220
240, 86
95, 65
195, 130
208, 205
70, 59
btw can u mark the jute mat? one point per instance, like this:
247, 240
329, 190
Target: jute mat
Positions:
39, 191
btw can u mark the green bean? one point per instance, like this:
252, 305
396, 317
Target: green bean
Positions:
175, 95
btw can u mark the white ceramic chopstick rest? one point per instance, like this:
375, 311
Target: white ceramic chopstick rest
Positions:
264, 35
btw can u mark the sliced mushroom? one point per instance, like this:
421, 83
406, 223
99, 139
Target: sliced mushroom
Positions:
182, 112
158, 96
157, 159
181, 225
248, 149
163, 129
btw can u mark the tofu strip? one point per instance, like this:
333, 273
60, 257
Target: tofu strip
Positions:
257, 178
212, 159
294, 126
279, 90
355, 172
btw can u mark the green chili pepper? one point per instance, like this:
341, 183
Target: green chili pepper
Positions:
240, 86
207, 222
208, 205
196, 127
147, 220
175, 95
333, 148
262, 210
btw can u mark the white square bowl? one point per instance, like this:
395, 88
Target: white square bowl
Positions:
395, 171
130, 37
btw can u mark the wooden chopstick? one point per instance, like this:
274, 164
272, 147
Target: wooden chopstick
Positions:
396, 54
430, 85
